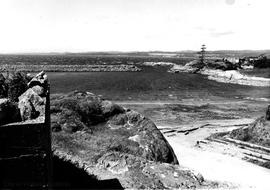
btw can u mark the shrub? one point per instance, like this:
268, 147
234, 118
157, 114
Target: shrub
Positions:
17, 84
3, 86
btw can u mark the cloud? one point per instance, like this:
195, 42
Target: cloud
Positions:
219, 34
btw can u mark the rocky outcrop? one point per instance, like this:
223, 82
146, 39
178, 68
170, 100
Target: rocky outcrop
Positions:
31, 105
84, 111
121, 143
257, 133
25, 94
32, 101
221, 72
190, 67
137, 173
40, 80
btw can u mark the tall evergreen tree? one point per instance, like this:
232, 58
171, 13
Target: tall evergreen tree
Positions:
202, 55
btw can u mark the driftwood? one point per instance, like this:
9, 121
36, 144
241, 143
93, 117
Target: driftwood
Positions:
187, 131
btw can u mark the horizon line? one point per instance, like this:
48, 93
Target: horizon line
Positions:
116, 51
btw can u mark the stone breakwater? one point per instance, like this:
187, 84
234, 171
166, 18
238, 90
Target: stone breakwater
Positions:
158, 64
71, 68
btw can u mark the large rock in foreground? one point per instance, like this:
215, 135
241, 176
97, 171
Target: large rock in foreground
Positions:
31, 105
109, 141
115, 128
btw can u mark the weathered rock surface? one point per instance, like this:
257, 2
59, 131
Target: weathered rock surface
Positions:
28, 98
9, 111
31, 105
39, 90
109, 109
85, 111
40, 79
123, 144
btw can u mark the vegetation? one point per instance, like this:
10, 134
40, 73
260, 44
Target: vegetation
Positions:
13, 85
75, 113
83, 119
258, 133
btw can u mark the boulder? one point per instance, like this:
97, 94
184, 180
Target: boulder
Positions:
190, 67
27, 110
120, 119
134, 117
132, 150
222, 65
39, 90
9, 111
69, 120
258, 132
155, 146
31, 105
109, 109
40, 79
129, 131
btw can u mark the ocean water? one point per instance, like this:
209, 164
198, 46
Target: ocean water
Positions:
152, 84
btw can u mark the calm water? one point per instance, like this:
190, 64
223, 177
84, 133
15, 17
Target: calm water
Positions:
151, 84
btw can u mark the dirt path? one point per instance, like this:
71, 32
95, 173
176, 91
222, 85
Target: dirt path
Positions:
214, 163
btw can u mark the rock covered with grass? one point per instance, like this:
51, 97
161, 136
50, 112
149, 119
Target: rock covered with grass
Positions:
110, 141
83, 111
257, 133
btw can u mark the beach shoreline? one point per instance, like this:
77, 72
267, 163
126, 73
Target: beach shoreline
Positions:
229, 76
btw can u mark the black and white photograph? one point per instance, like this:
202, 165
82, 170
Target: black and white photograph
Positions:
134, 94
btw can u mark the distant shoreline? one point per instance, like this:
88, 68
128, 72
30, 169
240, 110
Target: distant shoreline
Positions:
229, 76
235, 77
71, 68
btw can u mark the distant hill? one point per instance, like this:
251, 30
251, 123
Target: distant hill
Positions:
189, 54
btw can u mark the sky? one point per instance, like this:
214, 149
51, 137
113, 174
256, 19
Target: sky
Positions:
133, 25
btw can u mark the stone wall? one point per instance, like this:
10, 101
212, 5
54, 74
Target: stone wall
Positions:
25, 152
